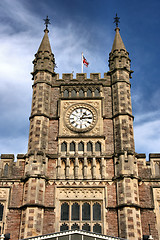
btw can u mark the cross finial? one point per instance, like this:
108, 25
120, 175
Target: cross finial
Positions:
116, 20
46, 22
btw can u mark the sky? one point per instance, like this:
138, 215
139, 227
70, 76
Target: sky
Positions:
76, 26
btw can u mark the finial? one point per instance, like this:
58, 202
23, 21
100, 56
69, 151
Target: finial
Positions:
46, 22
116, 20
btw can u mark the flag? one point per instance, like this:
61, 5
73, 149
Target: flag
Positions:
85, 62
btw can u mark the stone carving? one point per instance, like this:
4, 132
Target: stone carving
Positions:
80, 193
3, 193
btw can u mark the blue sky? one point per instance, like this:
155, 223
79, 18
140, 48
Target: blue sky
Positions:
78, 25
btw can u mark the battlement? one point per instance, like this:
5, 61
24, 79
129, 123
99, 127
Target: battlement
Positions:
82, 77
9, 168
151, 168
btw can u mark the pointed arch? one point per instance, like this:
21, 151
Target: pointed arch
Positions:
89, 92
64, 147
98, 147
97, 228
75, 215
81, 93
64, 227
6, 169
81, 146
72, 146
96, 211
97, 92
66, 93
65, 211
86, 227
89, 147
73, 93
75, 226
86, 211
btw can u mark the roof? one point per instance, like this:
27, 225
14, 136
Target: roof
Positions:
74, 235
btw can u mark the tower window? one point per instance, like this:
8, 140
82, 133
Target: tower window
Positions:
86, 211
98, 147
81, 146
1, 211
96, 211
6, 170
81, 93
97, 92
97, 228
65, 211
72, 146
64, 147
89, 147
89, 93
64, 227
65, 93
75, 211
73, 93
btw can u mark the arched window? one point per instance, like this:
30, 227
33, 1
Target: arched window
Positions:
86, 211
73, 93
1, 211
74, 226
89, 147
6, 167
72, 146
65, 211
97, 92
81, 146
64, 227
75, 211
97, 228
81, 93
98, 147
89, 93
66, 93
96, 211
64, 147
86, 227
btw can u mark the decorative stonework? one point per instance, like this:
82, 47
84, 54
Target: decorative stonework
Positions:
80, 193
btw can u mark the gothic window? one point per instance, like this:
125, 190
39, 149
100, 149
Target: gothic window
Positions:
1, 211
86, 211
64, 147
75, 211
73, 93
72, 146
6, 170
65, 211
89, 93
81, 93
97, 228
81, 146
86, 227
97, 92
98, 147
89, 147
64, 227
66, 93
96, 211
74, 226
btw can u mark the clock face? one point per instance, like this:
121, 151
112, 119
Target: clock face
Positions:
81, 118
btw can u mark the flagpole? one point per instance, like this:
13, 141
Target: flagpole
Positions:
82, 62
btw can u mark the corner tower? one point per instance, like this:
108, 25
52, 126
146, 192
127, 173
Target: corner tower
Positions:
126, 171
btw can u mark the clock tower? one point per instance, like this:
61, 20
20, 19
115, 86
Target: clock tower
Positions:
81, 171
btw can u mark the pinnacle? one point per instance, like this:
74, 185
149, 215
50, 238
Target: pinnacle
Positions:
45, 44
118, 43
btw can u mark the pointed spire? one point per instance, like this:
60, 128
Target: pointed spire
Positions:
118, 43
45, 44
44, 58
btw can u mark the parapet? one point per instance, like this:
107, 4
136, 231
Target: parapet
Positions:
10, 168
81, 77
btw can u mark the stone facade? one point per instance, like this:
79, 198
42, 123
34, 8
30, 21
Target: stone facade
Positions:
87, 167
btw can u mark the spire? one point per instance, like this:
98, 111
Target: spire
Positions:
44, 58
118, 43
